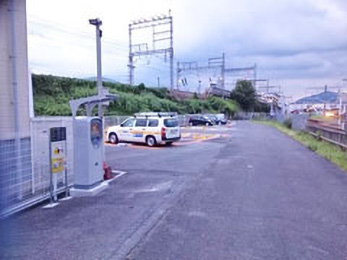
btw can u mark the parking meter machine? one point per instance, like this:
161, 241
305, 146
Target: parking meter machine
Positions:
88, 152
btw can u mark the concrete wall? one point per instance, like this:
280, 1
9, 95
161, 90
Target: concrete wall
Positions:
15, 142
299, 122
6, 83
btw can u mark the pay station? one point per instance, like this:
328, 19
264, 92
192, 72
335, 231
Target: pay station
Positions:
88, 152
88, 145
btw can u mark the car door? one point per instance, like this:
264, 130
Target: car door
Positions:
139, 130
194, 120
201, 120
125, 130
172, 128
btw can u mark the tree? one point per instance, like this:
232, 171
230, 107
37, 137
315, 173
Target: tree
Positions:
140, 88
245, 94
261, 107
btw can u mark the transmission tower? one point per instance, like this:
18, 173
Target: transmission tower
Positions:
239, 72
162, 31
213, 63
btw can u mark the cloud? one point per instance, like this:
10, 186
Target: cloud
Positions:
303, 40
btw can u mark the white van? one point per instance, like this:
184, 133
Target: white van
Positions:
150, 128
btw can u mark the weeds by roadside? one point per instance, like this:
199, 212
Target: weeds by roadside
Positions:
329, 151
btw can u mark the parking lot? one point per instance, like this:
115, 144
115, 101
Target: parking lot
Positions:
189, 135
126, 156
154, 178
240, 192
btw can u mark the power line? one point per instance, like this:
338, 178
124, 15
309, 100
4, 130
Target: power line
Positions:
79, 33
159, 34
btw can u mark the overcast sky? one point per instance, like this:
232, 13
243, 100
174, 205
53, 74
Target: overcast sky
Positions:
296, 44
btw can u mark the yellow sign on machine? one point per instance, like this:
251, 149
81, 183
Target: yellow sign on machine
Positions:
58, 156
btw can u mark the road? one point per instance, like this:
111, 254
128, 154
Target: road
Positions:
253, 193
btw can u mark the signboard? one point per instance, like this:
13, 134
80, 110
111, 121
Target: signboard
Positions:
57, 154
58, 149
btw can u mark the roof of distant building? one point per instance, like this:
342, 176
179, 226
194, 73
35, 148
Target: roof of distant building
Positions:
324, 97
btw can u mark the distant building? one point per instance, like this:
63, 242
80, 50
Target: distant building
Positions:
276, 101
182, 94
343, 107
212, 90
218, 92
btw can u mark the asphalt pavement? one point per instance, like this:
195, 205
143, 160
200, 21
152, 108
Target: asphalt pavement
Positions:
251, 193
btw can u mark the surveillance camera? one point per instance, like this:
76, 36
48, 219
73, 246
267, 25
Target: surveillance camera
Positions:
95, 22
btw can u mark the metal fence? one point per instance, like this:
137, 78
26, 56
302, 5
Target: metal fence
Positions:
15, 169
113, 120
335, 135
25, 172
41, 152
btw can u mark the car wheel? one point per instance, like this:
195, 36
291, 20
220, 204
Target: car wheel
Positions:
191, 124
207, 124
150, 141
113, 138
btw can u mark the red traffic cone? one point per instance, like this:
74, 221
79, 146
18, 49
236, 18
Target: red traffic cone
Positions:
108, 172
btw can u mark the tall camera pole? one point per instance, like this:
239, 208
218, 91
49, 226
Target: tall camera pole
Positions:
97, 22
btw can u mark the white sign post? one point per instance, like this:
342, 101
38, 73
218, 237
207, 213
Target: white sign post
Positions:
57, 160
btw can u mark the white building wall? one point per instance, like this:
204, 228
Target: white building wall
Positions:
7, 114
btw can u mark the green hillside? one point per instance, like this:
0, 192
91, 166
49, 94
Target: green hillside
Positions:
52, 95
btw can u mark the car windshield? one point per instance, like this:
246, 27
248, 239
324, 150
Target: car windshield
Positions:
128, 123
211, 117
220, 116
172, 122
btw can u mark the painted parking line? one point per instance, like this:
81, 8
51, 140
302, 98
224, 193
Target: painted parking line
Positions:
187, 139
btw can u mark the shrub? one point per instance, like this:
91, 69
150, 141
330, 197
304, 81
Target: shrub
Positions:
288, 123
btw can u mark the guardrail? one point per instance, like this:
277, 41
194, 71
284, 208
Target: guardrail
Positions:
332, 134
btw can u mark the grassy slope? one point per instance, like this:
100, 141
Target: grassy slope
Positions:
327, 150
52, 95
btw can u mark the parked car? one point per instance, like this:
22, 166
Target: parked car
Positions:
199, 120
217, 119
150, 128
221, 119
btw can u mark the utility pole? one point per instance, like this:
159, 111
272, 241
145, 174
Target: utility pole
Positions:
255, 76
171, 53
178, 70
199, 89
131, 60
97, 23
325, 102
223, 71
158, 79
162, 31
